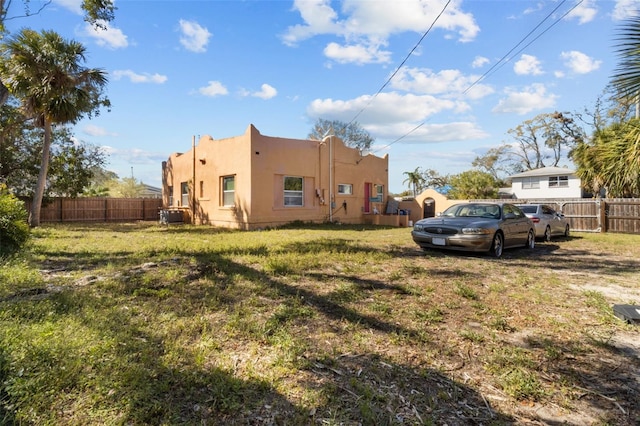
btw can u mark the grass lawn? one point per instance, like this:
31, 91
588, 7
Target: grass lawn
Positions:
141, 324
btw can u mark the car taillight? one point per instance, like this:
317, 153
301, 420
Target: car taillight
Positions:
535, 219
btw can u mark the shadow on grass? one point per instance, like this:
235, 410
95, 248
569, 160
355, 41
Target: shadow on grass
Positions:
357, 388
146, 388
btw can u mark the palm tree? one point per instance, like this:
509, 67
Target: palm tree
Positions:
44, 72
415, 180
627, 75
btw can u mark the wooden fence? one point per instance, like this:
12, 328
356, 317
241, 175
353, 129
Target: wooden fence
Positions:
98, 209
597, 214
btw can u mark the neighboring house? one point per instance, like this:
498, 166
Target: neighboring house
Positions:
254, 181
151, 191
546, 182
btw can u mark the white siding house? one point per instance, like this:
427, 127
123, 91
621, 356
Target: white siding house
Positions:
547, 182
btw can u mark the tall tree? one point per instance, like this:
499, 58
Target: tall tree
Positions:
626, 77
473, 185
542, 141
414, 180
611, 160
433, 179
352, 134
128, 187
97, 13
45, 73
73, 163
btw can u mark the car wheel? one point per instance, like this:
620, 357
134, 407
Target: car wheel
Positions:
547, 234
531, 239
497, 246
566, 231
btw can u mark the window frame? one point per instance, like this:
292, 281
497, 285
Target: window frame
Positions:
343, 186
559, 181
184, 196
290, 195
531, 183
227, 193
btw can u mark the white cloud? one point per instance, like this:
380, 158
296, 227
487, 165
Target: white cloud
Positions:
133, 156
106, 35
625, 9
527, 65
449, 83
385, 109
534, 97
266, 92
96, 131
213, 89
139, 78
429, 133
579, 63
585, 12
366, 26
359, 54
195, 37
479, 62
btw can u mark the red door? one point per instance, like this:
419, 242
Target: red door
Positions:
367, 197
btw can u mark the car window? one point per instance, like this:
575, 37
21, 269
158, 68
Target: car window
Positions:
548, 210
529, 209
508, 208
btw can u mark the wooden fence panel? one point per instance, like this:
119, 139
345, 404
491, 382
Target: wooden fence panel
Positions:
583, 215
594, 214
623, 215
98, 209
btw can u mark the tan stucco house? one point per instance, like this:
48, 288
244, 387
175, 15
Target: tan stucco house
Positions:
253, 181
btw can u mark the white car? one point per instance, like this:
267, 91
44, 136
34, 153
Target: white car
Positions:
547, 221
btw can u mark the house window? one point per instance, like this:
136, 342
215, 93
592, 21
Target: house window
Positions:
229, 191
530, 183
184, 190
201, 189
345, 189
293, 195
378, 195
170, 195
558, 181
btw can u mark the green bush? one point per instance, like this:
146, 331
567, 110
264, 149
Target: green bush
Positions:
14, 230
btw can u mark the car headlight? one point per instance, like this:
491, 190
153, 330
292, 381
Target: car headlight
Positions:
476, 231
418, 228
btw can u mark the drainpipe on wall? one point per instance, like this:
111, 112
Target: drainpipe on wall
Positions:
193, 196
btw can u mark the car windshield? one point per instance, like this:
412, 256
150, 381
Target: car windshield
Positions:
489, 211
529, 209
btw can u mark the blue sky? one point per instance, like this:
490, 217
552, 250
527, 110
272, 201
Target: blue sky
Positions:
179, 69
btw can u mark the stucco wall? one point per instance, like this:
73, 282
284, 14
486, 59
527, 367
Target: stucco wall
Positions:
259, 164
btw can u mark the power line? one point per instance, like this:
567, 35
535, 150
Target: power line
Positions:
501, 62
402, 63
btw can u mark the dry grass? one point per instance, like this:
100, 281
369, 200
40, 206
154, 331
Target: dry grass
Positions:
141, 324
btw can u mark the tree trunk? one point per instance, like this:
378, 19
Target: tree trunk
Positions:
4, 94
36, 205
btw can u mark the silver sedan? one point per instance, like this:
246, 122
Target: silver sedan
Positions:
547, 221
476, 227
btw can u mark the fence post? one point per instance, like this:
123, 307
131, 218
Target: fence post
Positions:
602, 218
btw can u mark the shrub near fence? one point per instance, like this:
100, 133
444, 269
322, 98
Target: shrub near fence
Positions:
98, 209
